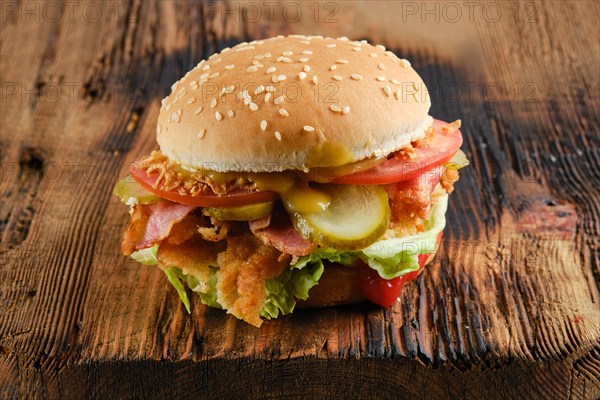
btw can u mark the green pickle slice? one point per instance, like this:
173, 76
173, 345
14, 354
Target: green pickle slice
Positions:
357, 216
131, 193
241, 213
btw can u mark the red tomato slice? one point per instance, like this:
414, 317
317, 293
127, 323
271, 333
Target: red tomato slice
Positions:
400, 168
384, 292
232, 199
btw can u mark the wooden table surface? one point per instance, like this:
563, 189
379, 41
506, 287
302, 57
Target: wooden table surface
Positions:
509, 309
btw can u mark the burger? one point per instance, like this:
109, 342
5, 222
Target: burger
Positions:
296, 171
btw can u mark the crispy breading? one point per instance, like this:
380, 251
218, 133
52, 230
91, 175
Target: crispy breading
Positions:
182, 231
194, 256
449, 178
216, 231
134, 233
244, 267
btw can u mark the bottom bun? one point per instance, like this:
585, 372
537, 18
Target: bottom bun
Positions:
339, 285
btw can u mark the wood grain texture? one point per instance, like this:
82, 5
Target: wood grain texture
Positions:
509, 309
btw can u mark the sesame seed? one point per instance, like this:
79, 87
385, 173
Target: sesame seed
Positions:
307, 52
271, 88
356, 44
306, 68
279, 100
309, 128
218, 60
315, 79
253, 106
267, 97
287, 53
356, 77
304, 42
333, 68
331, 45
178, 112
206, 67
230, 66
390, 54
380, 47
284, 112
343, 38
230, 113
274, 78
335, 108
277, 135
281, 78
341, 61
398, 94
395, 81
356, 48
229, 89
380, 78
381, 66
404, 63
225, 49
218, 116
200, 134
337, 77
194, 85
387, 90
214, 75
286, 60
175, 117
302, 75
191, 100
263, 125
345, 109
304, 59
213, 103
252, 69
373, 55
270, 70
198, 111
259, 89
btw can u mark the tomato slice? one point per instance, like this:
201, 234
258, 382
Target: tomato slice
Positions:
400, 168
232, 199
384, 292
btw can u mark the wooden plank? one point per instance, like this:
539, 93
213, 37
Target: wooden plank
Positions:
509, 308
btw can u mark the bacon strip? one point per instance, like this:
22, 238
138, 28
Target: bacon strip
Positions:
163, 215
277, 230
149, 224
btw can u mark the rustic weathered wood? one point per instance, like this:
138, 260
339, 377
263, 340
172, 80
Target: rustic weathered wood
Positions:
510, 308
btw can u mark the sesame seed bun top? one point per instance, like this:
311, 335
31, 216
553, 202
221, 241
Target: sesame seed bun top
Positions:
294, 102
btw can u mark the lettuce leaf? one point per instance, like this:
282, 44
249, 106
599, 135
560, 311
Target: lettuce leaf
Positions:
294, 283
174, 274
398, 256
210, 296
146, 256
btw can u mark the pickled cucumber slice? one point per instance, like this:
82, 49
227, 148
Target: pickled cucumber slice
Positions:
131, 193
356, 217
242, 213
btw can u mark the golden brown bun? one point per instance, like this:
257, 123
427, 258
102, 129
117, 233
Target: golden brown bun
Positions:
338, 285
348, 99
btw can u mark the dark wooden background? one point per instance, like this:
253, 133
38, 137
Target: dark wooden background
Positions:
509, 309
